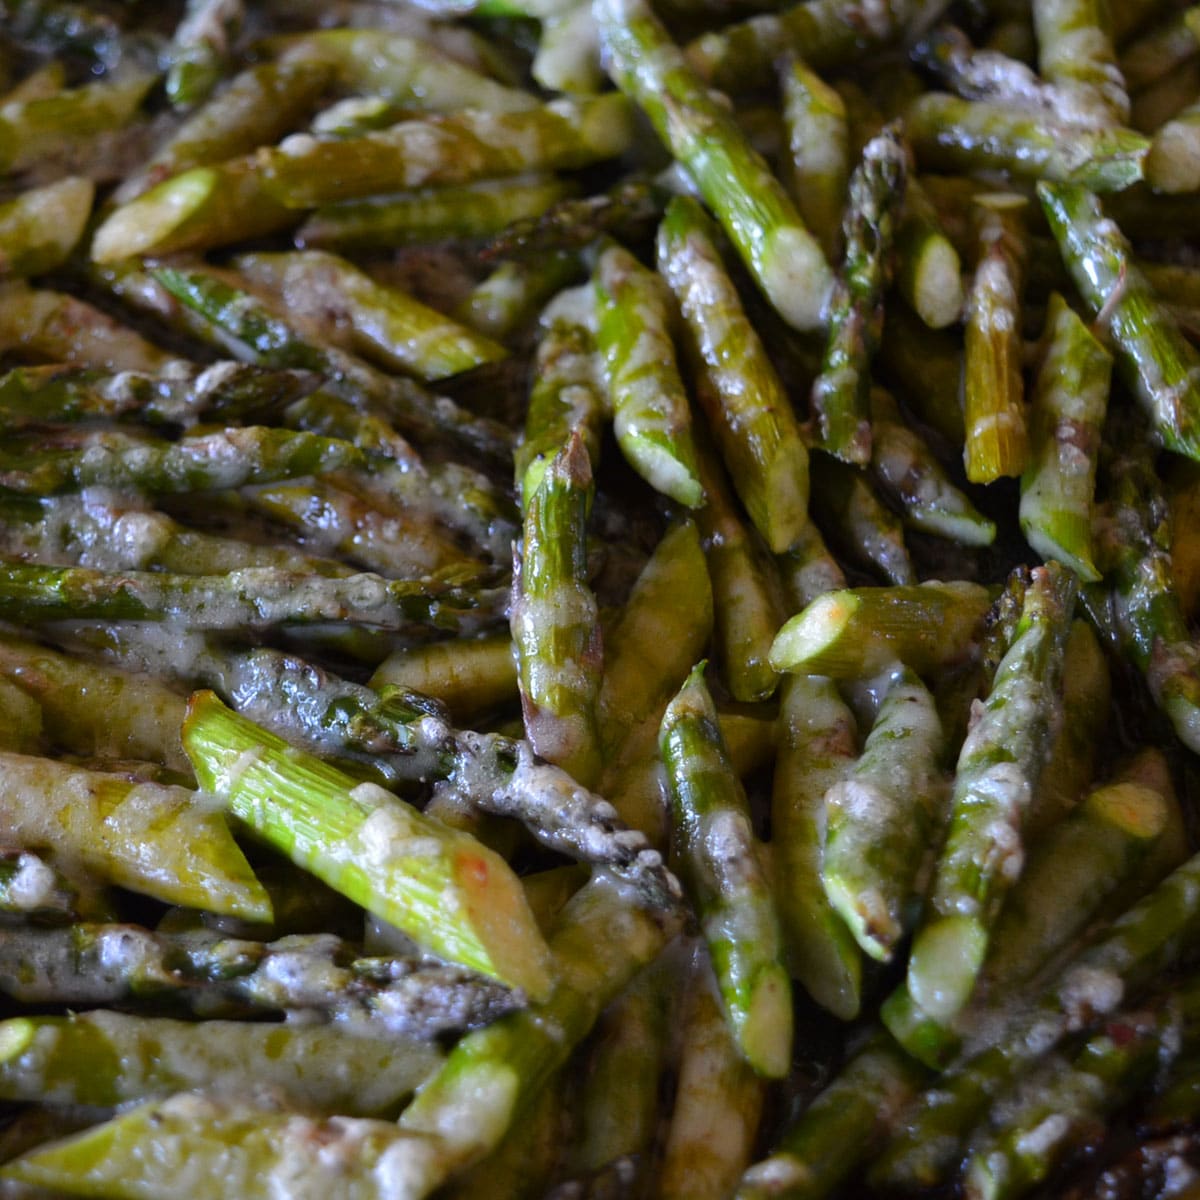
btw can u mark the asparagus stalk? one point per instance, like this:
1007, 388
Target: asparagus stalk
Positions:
202, 49
841, 392
469, 676
207, 1148
755, 211
249, 599
513, 294
855, 633
440, 887
40, 228
491, 1075
993, 395
304, 172
928, 270
1069, 403
1076, 55
151, 838
742, 396
817, 748
998, 770
555, 619
650, 407
725, 881
881, 817
1158, 363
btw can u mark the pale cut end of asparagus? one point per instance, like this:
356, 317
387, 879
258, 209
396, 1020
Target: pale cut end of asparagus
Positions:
1173, 164
938, 294
796, 277
956, 945
439, 885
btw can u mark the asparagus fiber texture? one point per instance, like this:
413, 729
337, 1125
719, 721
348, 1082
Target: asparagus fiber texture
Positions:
600, 599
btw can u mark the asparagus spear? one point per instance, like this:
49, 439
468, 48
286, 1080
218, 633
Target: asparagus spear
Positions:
1069, 403
841, 393
555, 619
928, 270
107, 1058
725, 881
440, 887
1158, 363
998, 770
650, 407
148, 837
202, 48
254, 598
808, 570
208, 1148
742, 396
44, 463
468, 676
1076, 55
784, 258
303, 172
881, 817
993, 399
314, 974
40, 228
817, 749
718, 1100
512, 295
491, 1075
490, 208
855, 633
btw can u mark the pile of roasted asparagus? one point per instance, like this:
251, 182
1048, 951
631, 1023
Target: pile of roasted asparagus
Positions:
398, 800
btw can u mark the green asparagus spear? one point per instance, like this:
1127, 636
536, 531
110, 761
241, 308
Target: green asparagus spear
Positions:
928, 270
468, 676
993, 395
650, 407
513, 294
882, 816
998, 770
148, 837
720, 859
209, 1148
440, 887
1158, 363
818, 744
1076, 55
304, 172
856, 633
841, 393
742, 396
555, 619
1069, 403
753, 208
599, 944
39, 229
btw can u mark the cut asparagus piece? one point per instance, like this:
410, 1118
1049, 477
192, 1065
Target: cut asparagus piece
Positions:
752, 206
439, 886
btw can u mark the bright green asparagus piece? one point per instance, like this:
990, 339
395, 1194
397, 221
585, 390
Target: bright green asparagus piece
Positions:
998, 769
907, 469
752, 206
40, 228
650, 407
997, 442
380, 322
856, 633
818, 163
555, 619
743, 398
440, 887
1159, 364
252, 598
208, 1148
147, 837
721, 864
841, 393
474, 210
953, 135
600, 942
928, 270
817, 748
303, 172
1067, 419
882, 816
565, 394
202, 49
